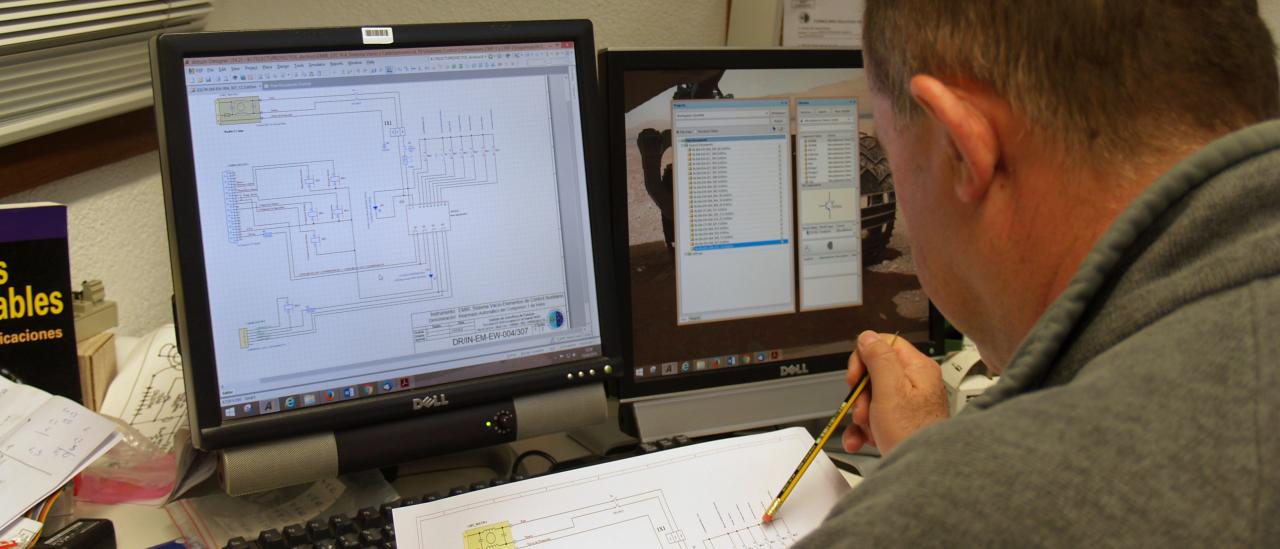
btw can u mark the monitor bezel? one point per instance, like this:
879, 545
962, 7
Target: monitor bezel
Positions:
614, 63
191, 298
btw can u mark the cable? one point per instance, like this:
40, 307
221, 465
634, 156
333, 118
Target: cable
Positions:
41, 515
515, 466
48, 506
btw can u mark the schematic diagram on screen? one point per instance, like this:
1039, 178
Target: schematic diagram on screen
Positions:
367, 207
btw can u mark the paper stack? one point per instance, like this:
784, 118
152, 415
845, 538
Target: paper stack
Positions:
44, 441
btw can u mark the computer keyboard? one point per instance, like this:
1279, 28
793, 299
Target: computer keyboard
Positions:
372, 527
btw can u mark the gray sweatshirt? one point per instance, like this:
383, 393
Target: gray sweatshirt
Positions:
1143, 409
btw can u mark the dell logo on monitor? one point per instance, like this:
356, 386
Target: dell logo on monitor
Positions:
793, 370
430, 401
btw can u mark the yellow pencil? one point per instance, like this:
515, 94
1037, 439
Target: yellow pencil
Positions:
817, 444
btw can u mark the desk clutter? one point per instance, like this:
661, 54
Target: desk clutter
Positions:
45, 440
350, 511
584, 501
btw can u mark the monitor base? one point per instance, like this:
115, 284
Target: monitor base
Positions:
735, 408
264, 466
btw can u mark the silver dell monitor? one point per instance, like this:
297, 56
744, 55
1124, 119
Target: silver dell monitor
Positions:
385, 238
757, 234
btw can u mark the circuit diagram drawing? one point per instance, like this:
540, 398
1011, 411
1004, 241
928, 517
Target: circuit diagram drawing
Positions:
423, 215
149, 394
489, 536
677, 501
739, 527
388, 237
639, 518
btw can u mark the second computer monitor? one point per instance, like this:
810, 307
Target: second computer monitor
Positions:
757, 211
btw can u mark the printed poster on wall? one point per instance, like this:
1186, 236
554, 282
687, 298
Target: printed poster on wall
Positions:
822, 23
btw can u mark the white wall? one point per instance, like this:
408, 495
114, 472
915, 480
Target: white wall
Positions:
117, 233
657, 23
117, 227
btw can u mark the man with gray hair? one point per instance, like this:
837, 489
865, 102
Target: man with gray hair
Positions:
1092, 192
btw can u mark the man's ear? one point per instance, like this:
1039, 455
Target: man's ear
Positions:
970, 131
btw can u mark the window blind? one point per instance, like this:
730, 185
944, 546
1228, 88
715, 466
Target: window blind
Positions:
66, 63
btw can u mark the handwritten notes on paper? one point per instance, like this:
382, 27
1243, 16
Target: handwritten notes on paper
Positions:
44, 441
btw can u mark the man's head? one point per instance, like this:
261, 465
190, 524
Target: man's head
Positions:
1018, 129
1106, 77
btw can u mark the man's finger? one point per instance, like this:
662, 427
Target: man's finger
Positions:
853, 374
862, 409
875, 354
852, 439
855, 438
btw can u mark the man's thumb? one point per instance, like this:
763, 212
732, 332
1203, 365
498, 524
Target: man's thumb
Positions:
876, 355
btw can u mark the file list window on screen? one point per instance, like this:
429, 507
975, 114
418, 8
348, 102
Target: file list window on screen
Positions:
736, 251
733, 209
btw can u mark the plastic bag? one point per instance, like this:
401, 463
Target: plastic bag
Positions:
134, 471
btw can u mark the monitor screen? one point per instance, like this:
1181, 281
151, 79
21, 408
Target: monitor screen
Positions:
760, 227
385, 219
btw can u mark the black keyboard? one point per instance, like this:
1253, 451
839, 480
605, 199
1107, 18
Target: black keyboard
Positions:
372, 527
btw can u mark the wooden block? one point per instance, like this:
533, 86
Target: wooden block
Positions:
97, 358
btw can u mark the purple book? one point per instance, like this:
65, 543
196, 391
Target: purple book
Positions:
37, 325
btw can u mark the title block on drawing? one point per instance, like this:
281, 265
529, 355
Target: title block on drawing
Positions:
429, 218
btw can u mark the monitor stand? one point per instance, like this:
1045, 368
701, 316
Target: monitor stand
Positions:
735, 408
286, 462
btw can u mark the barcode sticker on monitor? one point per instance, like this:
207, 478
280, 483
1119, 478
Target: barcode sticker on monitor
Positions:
377, 35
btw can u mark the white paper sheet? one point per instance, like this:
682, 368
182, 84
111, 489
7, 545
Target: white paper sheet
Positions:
22, 531
704, 496
148, 393
44, 441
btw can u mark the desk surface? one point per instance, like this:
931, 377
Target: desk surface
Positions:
139, 526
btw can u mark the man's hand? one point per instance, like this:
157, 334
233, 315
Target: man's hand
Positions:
904, 395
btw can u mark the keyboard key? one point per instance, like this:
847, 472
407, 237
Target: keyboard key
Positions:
369, 517
666, 444
681, 440
295, 534
319, 529
410, 501
497, 482
389, 531
271, 539
349, 541
388, 510
324, 544
237, 543
458, 490
342, 524
479, 486
371, 537
389, 544
647, 448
